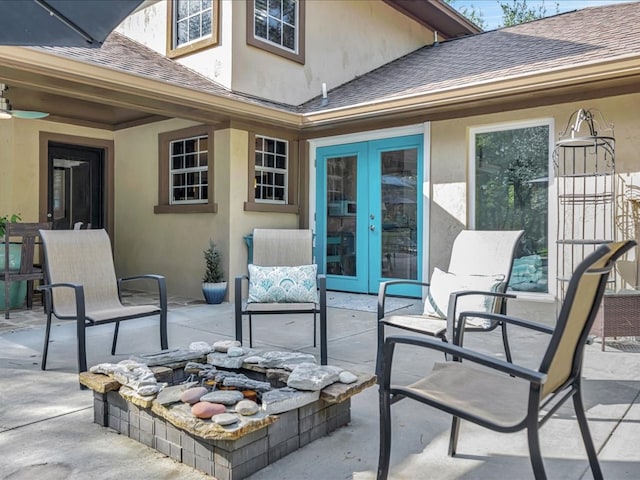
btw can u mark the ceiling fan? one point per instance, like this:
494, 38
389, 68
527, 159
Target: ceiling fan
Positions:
7, 112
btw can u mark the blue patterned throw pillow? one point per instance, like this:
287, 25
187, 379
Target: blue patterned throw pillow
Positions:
283, 284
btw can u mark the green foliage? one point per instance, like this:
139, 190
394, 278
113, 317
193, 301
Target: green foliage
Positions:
511, 183
213, 259
8, 219
518, 11
473, 13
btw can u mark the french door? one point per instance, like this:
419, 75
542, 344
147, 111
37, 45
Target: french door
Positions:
369, 213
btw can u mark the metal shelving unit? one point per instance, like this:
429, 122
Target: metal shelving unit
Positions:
584, 163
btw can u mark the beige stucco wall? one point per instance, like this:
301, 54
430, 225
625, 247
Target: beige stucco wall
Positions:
19, 162
450, 157
343, 39
172, 244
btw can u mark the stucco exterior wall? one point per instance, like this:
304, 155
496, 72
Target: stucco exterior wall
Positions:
19, 162
450, 162
171, 244
343, 40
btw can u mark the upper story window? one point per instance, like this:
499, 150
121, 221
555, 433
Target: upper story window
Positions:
271, 170
277, 26
185, 171
192, 25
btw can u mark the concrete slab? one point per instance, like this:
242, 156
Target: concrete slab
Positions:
47, 429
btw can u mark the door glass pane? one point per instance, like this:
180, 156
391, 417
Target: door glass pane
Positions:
511, 170
399, 210
341, 215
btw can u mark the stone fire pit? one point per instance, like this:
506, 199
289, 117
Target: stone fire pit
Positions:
287, 418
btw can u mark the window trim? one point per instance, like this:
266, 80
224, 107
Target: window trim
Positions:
552, 194
202, 43
254, 41
164, 139
292, 203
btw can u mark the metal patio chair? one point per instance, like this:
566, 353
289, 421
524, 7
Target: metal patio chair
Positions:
479, 270
500, 395
83, 287
286, 250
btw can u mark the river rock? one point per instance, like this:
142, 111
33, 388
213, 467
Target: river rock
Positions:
309, 376
192, 395
201, 347
347, 377
169, 395
224, 345
226, 397
235, 352
247, 407
207, 409
224, 418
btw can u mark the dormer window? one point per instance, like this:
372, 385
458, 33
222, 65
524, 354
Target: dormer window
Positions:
192, 25
277, 26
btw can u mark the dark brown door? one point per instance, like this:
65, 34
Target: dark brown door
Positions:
76, 186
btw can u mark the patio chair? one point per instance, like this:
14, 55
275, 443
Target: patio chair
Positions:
83, 287
27, 236
478, 275
500, 395
283, 280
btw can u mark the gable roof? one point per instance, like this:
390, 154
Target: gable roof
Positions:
565, 41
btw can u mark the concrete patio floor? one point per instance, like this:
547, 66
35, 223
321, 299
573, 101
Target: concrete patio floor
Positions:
47, 429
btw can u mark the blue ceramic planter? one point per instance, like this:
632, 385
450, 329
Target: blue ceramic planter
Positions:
214, 293
17, 290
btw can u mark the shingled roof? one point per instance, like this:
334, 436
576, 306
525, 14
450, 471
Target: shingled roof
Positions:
591, 35
121, 53
587, 36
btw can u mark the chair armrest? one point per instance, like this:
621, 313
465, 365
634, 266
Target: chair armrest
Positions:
453, 303
455, 351
160, 280
78, 294
382, 292
539, 327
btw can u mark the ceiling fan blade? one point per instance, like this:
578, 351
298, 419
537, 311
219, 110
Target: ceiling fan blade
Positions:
28, 114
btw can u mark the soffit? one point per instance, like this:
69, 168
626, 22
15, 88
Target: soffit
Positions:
436, 15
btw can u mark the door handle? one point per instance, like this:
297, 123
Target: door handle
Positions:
372, 227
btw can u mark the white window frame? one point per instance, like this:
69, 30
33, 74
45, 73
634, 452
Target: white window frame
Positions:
187, 170
551, 201
296, 27
258, 169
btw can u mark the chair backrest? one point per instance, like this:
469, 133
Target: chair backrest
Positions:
563, 359
484, 252
282, 247
27, 235
83, 257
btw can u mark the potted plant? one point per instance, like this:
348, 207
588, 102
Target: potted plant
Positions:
214, 286
17, 290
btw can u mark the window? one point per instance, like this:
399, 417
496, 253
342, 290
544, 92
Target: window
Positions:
277, 26
186, 171
509, 190
273, 170
193, 25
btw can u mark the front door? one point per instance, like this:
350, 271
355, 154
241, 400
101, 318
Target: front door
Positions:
76, 186
369, 214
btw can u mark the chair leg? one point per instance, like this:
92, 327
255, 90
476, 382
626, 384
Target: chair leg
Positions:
534, 450
164, 336
505, 342
115, 338
586, 436
384, 454
6, 299
82, 347
453, 437
250, 333
45, 348
379, 352
314, 330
